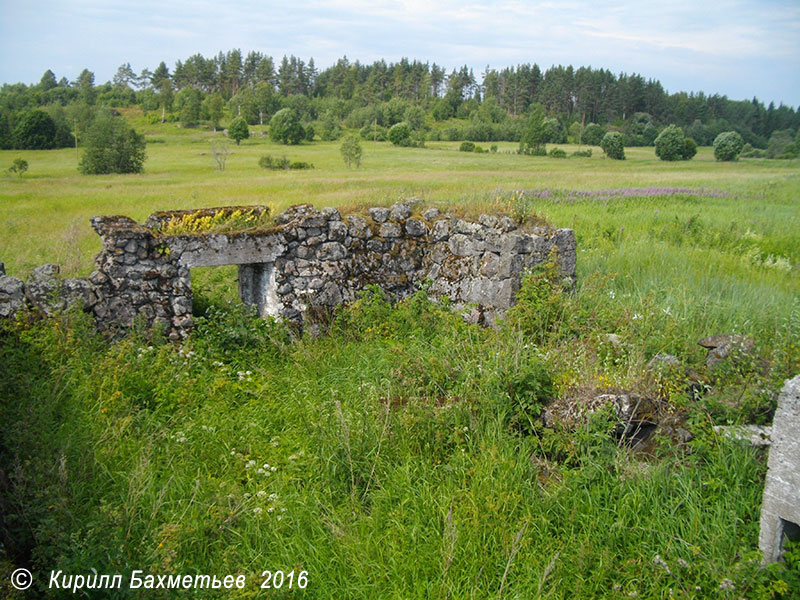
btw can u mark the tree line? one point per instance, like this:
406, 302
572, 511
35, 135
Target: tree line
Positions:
458, 105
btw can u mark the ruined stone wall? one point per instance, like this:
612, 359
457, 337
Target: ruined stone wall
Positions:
316, 259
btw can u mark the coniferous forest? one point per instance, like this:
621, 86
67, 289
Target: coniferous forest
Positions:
581, 104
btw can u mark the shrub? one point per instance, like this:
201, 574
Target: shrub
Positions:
493, 148
238, 130
373, 133
273, 164
593, 134
670, 143
400, 134
112, 147
583, 153
613, 145
689, 148
557, 153
309, 132
285, 127
19, 166
351, 150
35, 131
283, 163
536, 133
749, 152
728, 145
781, 145
466, 147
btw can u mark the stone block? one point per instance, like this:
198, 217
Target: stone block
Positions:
379, 214
400, 211
780, 506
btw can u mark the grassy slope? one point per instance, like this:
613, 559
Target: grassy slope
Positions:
424, 502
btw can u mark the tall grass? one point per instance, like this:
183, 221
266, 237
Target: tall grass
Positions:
401, 454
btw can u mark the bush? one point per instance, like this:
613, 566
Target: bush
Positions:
273, 164
35, 131
400, 134
670, 143
689, 148
112, 147
466, 147
309, 132
285, 127
351, 150
373, 133
749, 152
283, 163
583, 153
728, 145
593, 134
19, 166
613, 145
493, 148
238, 130
557, 153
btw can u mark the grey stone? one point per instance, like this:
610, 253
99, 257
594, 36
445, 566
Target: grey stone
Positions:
337, 231
400, 211
2, 269
379, 214
462, 245
441, 230
780, 509
661, 362
390, 230
42, 289
415, 227
721, 347
331, 251
331, 214
488, 221
430, 214
358, 227
12, 295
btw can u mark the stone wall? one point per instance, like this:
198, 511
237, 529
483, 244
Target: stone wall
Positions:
316, 259
780, 508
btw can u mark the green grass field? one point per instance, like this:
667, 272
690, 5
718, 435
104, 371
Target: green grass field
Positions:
399, 455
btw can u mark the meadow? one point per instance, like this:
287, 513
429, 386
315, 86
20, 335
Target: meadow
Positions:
401, 454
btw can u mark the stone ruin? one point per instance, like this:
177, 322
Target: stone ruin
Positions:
780, 507
309, 260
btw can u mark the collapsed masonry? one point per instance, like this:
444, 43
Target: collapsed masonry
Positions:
314, 259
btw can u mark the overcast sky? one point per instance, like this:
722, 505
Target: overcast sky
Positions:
732, 47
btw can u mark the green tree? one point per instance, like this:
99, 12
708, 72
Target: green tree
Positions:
285, 127
728, 145
35, 131
613, 144
351, 150
238, 130
670, 143
215, 107
689, 148
190, 102
593, 134
400, 134
19, 166
112, 146
535, 135
86, 90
